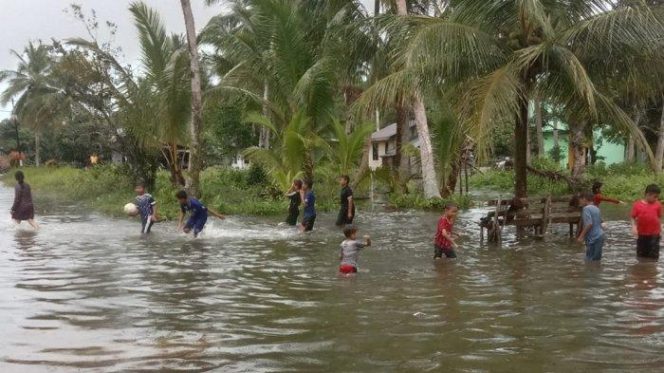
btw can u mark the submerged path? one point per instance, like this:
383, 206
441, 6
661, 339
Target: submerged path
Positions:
87, 292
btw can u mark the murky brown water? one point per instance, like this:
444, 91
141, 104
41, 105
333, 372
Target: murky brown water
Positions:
87, 293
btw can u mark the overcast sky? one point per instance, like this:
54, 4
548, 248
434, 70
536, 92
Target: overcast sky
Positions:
25, 20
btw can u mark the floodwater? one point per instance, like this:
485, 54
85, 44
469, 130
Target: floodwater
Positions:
87, 293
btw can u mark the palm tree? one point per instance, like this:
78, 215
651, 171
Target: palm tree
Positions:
196, 126
32, 84
502, 51
166, 65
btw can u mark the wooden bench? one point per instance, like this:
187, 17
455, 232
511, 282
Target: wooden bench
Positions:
536, 214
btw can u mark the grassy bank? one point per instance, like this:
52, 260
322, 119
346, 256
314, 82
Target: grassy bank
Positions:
622, 181
107, 188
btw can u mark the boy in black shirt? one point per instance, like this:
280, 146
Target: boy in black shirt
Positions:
347, 205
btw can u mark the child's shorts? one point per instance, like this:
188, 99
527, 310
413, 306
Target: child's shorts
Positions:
439, 251
347, 268
196, 225
648, 247
308, 223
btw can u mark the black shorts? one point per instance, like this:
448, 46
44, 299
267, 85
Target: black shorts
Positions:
343, 220
648, 247
308, 223
293, 213
439, 251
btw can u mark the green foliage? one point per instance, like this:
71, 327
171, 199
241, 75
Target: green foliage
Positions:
417, 201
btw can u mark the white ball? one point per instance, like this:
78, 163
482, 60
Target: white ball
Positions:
131, 209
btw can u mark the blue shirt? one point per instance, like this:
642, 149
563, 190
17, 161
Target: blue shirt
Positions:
145, 204
309, 204
591, 215
195, 208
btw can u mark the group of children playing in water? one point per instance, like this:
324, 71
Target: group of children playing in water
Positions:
645, 217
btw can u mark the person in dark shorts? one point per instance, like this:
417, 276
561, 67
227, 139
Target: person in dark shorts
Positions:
346, 203
294, 195
23, 209
350, 250
444, 242
646, 223
309, 215
147, 208
198, 214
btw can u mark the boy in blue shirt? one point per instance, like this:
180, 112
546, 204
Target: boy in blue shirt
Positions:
592, 232
198, 214
147, 208
309, 207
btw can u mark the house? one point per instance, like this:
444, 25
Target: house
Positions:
384, 146
607, 151
239, 162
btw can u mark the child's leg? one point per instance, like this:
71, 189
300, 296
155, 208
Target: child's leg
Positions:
437, 252
33, 223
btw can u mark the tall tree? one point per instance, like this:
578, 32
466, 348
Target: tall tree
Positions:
196, 126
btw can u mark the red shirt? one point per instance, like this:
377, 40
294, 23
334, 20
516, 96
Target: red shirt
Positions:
598, 198
647, 216
444, 224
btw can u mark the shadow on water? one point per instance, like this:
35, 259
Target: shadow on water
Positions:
87, 292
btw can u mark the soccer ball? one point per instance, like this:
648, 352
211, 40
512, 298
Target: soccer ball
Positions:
131, 209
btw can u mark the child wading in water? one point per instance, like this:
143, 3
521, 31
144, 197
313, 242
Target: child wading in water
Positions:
309, 207
147, 208
444, 240
599, 198
294, 195
350, 250
646, 223
592, 233
198, 214
23, 209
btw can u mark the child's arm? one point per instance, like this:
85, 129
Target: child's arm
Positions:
635, 230
216, 214
350, 207
181, 221
584, 231
449, 237
611, 200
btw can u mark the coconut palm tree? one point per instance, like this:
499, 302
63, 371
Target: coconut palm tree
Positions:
502, 51
33, 86
196, 126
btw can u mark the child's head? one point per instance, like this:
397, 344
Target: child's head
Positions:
344, 180
308, 184
19, 176
350, 231
652, 193
297, 183
451, 210
181, 196
597, 187
585, 199
140, 188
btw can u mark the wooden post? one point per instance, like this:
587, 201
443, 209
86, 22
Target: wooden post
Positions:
497, 226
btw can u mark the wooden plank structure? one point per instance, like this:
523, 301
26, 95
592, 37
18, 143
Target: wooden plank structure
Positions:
534, 214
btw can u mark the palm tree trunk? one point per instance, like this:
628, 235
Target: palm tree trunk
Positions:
659, 151
196, 128
539, 122
400, 164
264, 135
452, 178
631, 149
429, 177
176, 172
37, 148
578, 151
521, 151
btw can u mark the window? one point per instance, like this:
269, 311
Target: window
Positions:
387, 147
374, 151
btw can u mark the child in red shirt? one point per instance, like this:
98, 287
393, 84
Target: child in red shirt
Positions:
444, 241
646, 225
599, 198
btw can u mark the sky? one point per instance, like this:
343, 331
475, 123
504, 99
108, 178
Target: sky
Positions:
24, 20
